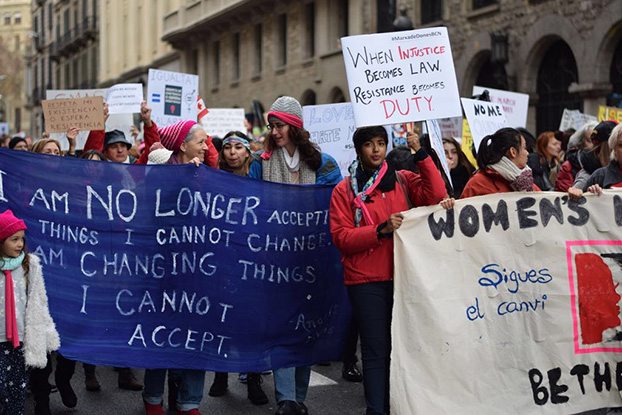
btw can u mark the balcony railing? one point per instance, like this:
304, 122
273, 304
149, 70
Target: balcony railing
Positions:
74, 38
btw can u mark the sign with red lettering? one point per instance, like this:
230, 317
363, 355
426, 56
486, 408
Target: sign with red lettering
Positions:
515, 105
401, 77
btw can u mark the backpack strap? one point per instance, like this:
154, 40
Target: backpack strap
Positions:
400, 181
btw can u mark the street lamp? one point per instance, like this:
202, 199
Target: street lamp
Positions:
403, 22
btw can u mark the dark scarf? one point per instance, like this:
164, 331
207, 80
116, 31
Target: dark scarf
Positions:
386, 184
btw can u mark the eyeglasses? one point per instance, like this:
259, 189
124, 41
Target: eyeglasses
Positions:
277, 126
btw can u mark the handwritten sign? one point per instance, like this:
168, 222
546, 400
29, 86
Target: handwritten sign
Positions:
121, 122
401, 77
172, 96
484, 118
84, 113
515, 105
609, 113
219, 121
451, 127
527, 300
574, 119
436, 140
174, 266
331, 127
467, 145
124, 98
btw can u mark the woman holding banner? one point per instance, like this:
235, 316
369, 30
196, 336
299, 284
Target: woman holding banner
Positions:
290, 157
364, 212
502, 160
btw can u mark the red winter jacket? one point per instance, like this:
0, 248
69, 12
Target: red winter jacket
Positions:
565, 177
487, 182
365, 258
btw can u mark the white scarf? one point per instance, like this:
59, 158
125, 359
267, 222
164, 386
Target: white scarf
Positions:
293, 162
520, 180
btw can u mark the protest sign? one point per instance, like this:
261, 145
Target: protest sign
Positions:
467, 145
172, 96
515, 105
178, 266
574, 119
124, 98
436, 140
609, 113
84, 113
520, 316
121, 122
451, 127
484, 118
401, 77
4, 128
219, 121
331, 127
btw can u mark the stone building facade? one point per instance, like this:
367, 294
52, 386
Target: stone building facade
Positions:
562, 53
15, 45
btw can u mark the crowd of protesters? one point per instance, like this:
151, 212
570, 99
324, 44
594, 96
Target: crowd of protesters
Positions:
364, 214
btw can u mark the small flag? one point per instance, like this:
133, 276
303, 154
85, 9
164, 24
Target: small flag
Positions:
155, 97
201, 107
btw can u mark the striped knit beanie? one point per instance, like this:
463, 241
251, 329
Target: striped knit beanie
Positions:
287, 109
173, 135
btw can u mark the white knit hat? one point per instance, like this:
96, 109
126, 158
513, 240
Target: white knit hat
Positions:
159, 156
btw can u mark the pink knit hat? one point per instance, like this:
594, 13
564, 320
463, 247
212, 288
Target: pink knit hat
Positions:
173, 135
9, 225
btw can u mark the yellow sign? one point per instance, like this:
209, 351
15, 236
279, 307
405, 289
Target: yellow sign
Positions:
609, 113
467, 142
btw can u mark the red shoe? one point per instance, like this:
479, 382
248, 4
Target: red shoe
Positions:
193, 411
153, 409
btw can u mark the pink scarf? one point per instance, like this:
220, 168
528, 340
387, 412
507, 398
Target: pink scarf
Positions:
359, 199
9, 300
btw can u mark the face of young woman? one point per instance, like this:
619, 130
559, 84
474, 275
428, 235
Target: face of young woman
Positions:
280, 133
13, 245
51, 148
519, 157
235, 154
451, 152
196, 147
373, 153
95, 157
554, 147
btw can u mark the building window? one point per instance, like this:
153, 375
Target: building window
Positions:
338, 23
281, 50
235, 54
7, 19
258, 50
17, 18
431, 11
50, 25
216, 64
478, 4
309, 44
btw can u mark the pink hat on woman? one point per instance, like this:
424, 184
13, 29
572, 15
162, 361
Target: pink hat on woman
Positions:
9, 225
173, 135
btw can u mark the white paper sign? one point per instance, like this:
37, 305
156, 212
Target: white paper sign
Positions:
436, 140
451, 127
172, 96
508, 304
121, 122
484, 118
515, 105
331, 127
219, 121
124, 98
401, 77
4, 128
574, 119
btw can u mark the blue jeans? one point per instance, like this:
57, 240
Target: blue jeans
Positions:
372, 304
191, 384
291, 383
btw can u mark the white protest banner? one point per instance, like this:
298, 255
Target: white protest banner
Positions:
4, 128
219, 121
172, 96
121, 122
451, 127
574, 119
124, 98
401, 77
331, 127
507, 304
515, 105
436, 140
484, 118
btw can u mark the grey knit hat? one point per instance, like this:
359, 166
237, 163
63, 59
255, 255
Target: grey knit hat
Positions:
287, 109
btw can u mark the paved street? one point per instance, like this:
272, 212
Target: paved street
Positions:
328, 394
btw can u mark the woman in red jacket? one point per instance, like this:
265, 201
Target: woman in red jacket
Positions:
502, 160
364, 212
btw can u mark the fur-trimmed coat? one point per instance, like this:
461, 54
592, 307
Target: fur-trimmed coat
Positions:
40, 335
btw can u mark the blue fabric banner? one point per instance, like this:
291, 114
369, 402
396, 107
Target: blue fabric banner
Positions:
179, 266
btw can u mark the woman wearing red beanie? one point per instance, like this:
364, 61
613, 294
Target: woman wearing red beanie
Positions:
189, 143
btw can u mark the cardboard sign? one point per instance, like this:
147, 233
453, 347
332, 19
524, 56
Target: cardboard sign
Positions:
436, 140
331, 127
574, 119
124, 98
515, 105
172, 96
609, 113
508, 304
121, 122
484, 118
401, 77
84, 113
219, 121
